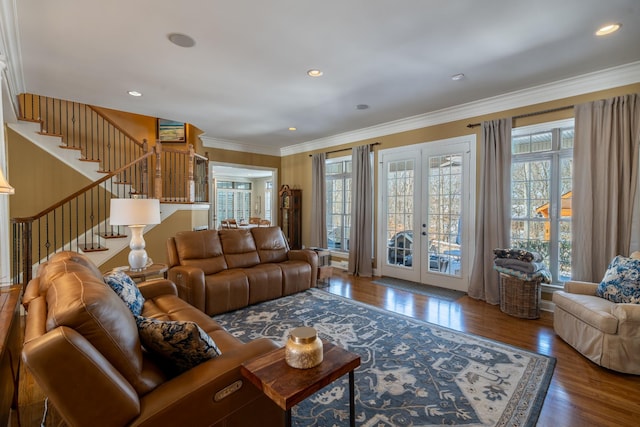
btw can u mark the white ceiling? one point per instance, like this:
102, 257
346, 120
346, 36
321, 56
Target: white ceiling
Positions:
245, 79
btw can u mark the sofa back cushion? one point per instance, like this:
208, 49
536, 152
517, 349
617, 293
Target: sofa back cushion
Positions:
201, 249
65, 262
271, 244
86, 304
239, 248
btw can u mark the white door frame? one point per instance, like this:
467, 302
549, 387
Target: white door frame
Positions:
417, 152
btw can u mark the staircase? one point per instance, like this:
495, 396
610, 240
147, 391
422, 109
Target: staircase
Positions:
117, 165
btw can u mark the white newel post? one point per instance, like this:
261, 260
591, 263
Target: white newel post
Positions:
5, 242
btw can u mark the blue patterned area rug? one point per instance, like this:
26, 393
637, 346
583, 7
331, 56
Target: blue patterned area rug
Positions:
413, 373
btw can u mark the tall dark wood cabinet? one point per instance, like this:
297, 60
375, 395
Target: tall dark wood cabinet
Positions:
290, 206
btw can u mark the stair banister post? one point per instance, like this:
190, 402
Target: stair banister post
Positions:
157, 182
144, 169
191, 184
27, 254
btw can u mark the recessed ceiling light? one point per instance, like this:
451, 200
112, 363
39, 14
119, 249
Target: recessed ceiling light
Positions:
134, 93
181, 40
362, 107
457, 77
292, 128
314, 73
608, 29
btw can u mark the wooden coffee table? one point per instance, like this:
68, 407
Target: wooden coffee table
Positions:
288, 386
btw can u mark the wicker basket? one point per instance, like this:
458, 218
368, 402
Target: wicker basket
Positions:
520, 298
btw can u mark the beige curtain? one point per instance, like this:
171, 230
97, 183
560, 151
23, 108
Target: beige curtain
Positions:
360, 238
494, 208
605, 175
318, 201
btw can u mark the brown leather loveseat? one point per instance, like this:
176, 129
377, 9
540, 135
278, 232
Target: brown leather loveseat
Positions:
83, 347
223, 270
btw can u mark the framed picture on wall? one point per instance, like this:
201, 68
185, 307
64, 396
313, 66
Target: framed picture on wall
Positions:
171, 131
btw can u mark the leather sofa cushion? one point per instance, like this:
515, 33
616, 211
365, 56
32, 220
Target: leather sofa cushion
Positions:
62, 263
226, 291
202, 250
84, 303
71, 257
271, 244
265, 282
239, 248
592, 310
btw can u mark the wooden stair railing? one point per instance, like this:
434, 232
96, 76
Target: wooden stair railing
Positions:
82, 128
77, 222
181, 176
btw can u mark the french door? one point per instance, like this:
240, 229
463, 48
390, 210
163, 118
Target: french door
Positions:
426, 201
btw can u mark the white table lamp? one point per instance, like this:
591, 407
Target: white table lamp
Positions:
136, 214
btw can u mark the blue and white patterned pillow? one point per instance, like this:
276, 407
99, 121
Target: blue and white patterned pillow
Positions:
621, 282
182, 342
127, 290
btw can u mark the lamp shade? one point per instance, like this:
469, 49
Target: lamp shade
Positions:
5, 188
135, 211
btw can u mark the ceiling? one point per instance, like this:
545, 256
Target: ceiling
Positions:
245, 80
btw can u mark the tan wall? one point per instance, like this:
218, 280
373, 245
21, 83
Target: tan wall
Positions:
138, 126
296, 169
40, 179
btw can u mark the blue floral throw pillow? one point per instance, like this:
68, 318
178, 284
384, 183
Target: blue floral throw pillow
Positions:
621, 282
127, 290
183, 343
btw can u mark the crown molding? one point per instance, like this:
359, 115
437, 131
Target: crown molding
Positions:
10, 52
599, 80
223, 144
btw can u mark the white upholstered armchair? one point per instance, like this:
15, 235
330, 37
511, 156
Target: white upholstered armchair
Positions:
606, 333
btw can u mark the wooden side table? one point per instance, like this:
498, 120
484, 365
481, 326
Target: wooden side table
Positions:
325, 271
151, 271
10, 348
288, 386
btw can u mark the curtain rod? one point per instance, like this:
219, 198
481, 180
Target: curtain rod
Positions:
345, 149
537, 113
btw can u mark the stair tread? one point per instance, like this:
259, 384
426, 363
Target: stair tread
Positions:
93, 249
59, 135
112, 236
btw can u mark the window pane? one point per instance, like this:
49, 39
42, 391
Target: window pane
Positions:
541, 197
566, 140
541, 142
444, 216
338, 204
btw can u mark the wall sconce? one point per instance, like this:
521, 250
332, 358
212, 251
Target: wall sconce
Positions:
5, 188
136, 214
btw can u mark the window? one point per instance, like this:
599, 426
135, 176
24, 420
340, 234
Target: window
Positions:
541, 177
234, 200
268, 189
338, 176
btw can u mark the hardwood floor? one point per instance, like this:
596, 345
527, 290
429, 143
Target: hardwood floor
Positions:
581, 393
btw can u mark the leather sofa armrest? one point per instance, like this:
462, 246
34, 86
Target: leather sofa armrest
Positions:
197, 397
628, 319
190, 283
577, 287
154, 288
80, 382
309, 256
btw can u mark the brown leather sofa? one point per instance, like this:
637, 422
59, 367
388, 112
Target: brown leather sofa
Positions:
83, 348
223, 270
